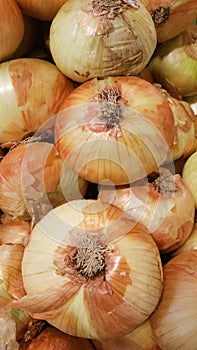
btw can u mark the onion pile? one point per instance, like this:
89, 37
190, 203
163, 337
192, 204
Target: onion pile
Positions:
98, 194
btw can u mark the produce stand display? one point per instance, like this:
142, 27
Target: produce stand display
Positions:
98, 169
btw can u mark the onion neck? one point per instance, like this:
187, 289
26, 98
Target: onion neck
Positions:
109, 8
164, 183
160, 15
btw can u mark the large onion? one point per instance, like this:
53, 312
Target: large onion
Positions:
91, 38
120, 128
174, 320
31, 91
90, 271
11, 28
39, 9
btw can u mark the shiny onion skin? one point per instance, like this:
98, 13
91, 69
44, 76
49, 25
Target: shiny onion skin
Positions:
174, 320
122, 127
11, 28
90, 271
31, 91
38, 9
91, 38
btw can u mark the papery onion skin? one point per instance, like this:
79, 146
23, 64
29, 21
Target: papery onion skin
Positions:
174, 320
38, 9
100, 306
119, 41
189, 174
23, 109
53, 339
30, 181
174, 63
168, 214
127, 148
11, 28
14, 231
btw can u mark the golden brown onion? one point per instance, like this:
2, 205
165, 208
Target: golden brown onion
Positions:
174, 320
100, 38
39, 9
120, 129
11, 28
31, 91
95, 273
164, 205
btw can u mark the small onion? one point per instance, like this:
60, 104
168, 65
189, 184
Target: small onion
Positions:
51, 338
34, 179
174, 320
122, 128
11, 28
31, 91
101, 38
174, 63
164, 205
38, 9
171, 17
189, 174
90, 271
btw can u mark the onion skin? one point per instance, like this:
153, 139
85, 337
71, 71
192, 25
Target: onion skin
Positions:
53, 339
23, 109
116, 43
174, 320
189, 174
11, 28
135, 135
79, 305
38, 9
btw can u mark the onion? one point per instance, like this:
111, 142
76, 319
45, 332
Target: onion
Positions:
14, 231
189, 244
125, 122
101, 38
174, 320
31, 91
192, 100
11, 28
164, 205
190, 174
38, 9
34, 179
140, 339
171, 17
174, 63
185, 121
90, 271
53, 339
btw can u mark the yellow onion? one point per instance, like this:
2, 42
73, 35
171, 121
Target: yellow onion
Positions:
164, 205
31, 91
174, 320
53, 339
185, 121
192, 100
120, 128
189, 174
90, 271
140, 339
34, 179
38, 9
100, 38
171, 17
14, 231
11, 28
174, 63
189, 244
